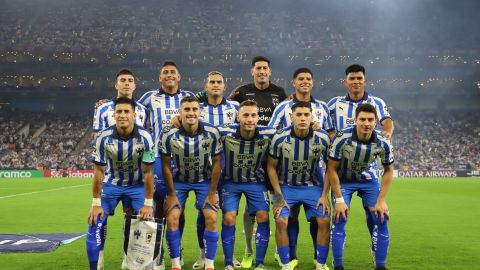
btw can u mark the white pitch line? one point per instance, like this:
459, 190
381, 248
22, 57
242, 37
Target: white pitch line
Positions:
40, 191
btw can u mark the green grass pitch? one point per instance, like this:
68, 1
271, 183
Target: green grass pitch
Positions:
435, 224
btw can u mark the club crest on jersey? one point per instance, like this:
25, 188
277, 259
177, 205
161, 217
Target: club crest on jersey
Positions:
205, 145
261, 144
166, 129
316, 151
275, 101
339, 133
139, 150
230, 116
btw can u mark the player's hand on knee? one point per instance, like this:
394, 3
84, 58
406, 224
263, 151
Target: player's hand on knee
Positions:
341, 211
176, 121
95, 211
146, 212
170, 203
212, 200
323, 201
278, 204
381, 209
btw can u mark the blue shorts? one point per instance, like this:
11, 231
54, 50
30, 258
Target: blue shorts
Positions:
306, 195
160, 188
131, 197
367, 190
255, 193
201, 192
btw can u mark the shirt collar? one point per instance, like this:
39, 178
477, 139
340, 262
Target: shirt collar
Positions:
223, 102
295, 100
292, 133
135, 133
355, 137
162, 92
201, 128
365, 97
256, 136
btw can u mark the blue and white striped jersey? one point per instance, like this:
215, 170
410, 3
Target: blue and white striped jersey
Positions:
281, 116
162, 107
357, 159
191, 155
103, 116
342, 109
224, 113
243, 158
298, 158
123, 157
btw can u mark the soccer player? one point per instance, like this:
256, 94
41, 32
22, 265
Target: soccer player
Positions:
342, 111
295, 152
163, 104
125, 86
350, 169
245, 147
303, 83
123, 156
217, 111
268, 96
191, 147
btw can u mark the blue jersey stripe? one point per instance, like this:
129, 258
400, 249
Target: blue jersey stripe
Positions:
120, 158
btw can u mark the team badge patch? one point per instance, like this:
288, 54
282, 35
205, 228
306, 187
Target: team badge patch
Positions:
339, 133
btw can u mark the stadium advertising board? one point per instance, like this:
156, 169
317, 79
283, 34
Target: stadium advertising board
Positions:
431, 173
68, 173
21, 173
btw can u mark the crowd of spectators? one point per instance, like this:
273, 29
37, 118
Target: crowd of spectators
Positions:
212, 26
422, 140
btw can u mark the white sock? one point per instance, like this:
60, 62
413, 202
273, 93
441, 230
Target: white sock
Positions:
176, 263
209, 264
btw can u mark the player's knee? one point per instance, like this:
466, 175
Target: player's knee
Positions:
210, 220
262, 216
229, 218
173, 218
281, 223
128, 210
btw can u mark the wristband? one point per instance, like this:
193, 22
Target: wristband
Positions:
96, 202
148, 202
339, 200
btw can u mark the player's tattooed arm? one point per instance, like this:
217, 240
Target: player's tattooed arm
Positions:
340, 208
147, 210
96, 209
171, 201
279, 201
212, 198
381, 207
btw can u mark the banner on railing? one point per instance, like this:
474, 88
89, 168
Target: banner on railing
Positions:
21, 173
68, 173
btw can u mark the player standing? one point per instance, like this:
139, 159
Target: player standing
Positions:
292, 166
245, 147
191, 147
350, 169
123, 156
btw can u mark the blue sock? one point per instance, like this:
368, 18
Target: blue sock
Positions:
181, 223
173, 242
380, 240
369, 217
313, 233
228, 242
200, 229
261, 239
338, 240
293, 229
211, 244
284, 254
321, 254
96, 241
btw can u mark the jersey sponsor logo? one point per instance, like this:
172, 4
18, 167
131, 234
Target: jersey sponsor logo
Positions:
250, 94
128, 166
264, 109
359, 166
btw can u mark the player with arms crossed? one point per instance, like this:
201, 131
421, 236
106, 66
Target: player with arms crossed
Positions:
125, 86
342, 111
245, 146
123, 156
350, 169
191, 147
295, 152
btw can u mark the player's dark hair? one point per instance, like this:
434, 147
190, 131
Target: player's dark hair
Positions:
302, 70
302, 104
366, 107
125, 100
169, 63
189, 99
260, 59
354, 68
124, 72
248, 103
